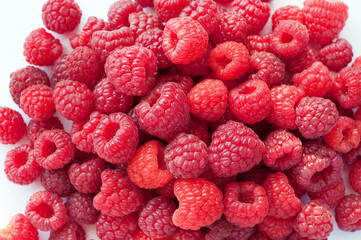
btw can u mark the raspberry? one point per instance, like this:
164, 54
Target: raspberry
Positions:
132, 70
20, 165
140, 235
12, 126
118, 196
185, 82
315, 221
230, 60
109, 228
37, 102
344, 136
25, 77
347, 213
324, 19
61, 15
166, 9
60, 71
163, 112
250, 101
276, 228
73, 100
354, 176
357, 62
299, 191
266, 67
331, 195
19, 227
200, 203
353, 155
220, 229
255, 12
257, 174
200, 129
70, 230
80, 208
283, 202
302, 61
221, 182
184, 40
46, 211
167, 190
35, 128
319, 168
57, 181
234, 148
41, 48
287, 13
259, 43
142, 21
182, 234
336, 55
119, 11
231, 27
245, 204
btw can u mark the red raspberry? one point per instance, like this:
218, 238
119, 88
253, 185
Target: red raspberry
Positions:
35, 128
25, 77
324, 19
257, 174
118, 196
141, 21
145, 3
319, 168
19, 227
12, 126
163, 112
37, 102
80, 208
41, 48
60, 71
259, 43
231, 27
57, 181
299, 191
355, 175
61, 15
266, 67
347, 213
234, 148
357, 62
283, 202
185, 82
258, 236
220, 229
353, 155
336, 55
184, 40
255, 12
276, 228
287, 13
250, 101
20, 165
73, 100
70, 230
221, 182
331, 195
166, 9
200, 203
245, 204
110, 228
200, 129
46, 211
119, 11
230, 60
140, 235
315, 221
302, 61
182, 234
168, 189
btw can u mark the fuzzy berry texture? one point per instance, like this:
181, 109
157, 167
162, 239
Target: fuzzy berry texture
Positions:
347, 213
336, 55
109, 228
35, 128
70, 230
231, 27
12, 126
119, 11
57, 181
19, 227
80, 208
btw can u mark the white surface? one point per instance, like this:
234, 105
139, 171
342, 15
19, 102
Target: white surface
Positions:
19, 17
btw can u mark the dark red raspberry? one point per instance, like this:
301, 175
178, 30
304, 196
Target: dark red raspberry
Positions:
336, 55
355, 176
60, 71
353, 155
119, 11
221, 182
145, 3
184, 40
324, 19
70, 230
231, 27
315, 221
347, 213
141, 21
302, 61
200, 129
283, 202
266, 67
257, 174
57, 181
200, 203
19, 227
255, 12
168, 189
25, 77
118, 196
12, 126
319, 168
259, 43
230, 60
61, 15
20, 165
73, 100
140, 235
276, 228
347, 87
234, 148
46, 211
288, 12
245, 204
35, 128
166, 9
80, 208
41, 48
250, 101
37, 102
110, 228
220, 229
357, 62
186, 82
182, 234
331, 195
258, 236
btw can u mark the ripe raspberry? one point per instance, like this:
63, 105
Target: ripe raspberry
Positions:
145, 3
184, 81
200, 203
331, 195
230, 60
299, 191
25, 77
20, 165
119, 11
259, 43
324, 19
357, 62
347, 213
200, 129
12, 126
169, 9
353, 155
220, 229
182, 234
60, 71
35, 128
231, 27
80, 208
336, 55
347, 87
250, 101
70, 230
19, 227
46, 211
319, 168
184, 40
315, 221
73, 100
110, 228
276, 228
168, 189
61, 15
41, 48
287, 13
140, 235
282, 200
355, 175
221, 182
257, 174
57, 181
245, 204
255, 12
302, 61
141, 21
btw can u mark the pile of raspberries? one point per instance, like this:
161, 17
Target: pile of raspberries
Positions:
187, 124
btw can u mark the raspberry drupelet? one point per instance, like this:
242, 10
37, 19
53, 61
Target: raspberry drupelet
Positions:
19, 227
70, 230
12, 126
80, 208
110, 228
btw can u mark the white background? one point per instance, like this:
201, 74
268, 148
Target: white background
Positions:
19, 17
